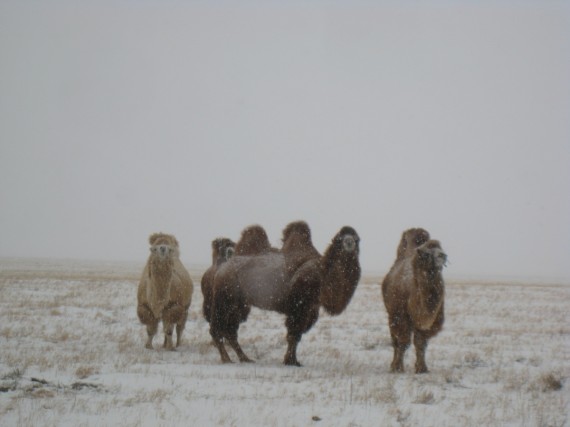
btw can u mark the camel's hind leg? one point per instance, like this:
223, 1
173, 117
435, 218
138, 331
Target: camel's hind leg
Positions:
239, 311
227, 311
232, 340
219, 343
217, 333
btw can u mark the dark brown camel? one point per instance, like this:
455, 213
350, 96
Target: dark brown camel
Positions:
222, 250
413, 293
290, 282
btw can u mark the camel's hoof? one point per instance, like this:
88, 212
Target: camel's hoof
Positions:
292, 363
247, 360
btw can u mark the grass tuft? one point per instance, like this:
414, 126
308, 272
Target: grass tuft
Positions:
551, 382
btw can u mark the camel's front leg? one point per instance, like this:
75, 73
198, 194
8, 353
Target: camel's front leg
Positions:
420, 342
401, 334
148, 319
291, 354
151, 329
179, 330
297, 323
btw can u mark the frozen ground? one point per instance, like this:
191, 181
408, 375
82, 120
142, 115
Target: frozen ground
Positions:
72, 354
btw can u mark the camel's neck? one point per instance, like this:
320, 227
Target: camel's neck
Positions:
341, 273
429, 292
161, 274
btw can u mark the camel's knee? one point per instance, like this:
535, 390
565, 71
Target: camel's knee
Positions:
145, 314
299, 323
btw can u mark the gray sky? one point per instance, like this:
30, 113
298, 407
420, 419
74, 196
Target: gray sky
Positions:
119, 119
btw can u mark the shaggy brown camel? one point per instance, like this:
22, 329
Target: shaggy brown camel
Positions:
413, 293
290, 282
165, 290
222, 250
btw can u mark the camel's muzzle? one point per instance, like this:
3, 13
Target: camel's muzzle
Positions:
349, 243
161, 250
440, 259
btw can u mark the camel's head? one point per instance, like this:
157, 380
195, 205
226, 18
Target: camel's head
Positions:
411, 239
222, 250
432, 256
347, 239
164, 246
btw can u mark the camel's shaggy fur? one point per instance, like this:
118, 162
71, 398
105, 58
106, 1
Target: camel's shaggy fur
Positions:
253, 241
165, 290
222, 250
341, 271
411, 239
289, 282
413, 294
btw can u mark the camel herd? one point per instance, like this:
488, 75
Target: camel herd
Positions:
296, 281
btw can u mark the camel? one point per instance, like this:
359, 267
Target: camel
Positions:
290, 282
413, 293
222, 250
165, 290
253, 241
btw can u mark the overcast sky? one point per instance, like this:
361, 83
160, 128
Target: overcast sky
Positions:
119, 119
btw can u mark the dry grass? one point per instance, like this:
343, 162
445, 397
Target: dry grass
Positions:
73, 354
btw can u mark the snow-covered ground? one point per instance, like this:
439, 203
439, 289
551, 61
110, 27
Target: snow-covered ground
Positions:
72, 354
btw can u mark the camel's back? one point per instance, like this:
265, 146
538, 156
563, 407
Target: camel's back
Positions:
263, 281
